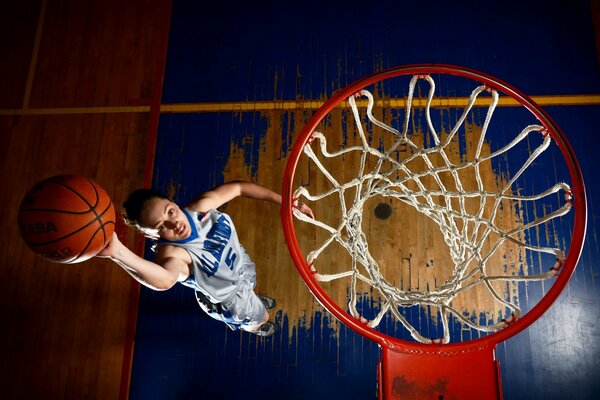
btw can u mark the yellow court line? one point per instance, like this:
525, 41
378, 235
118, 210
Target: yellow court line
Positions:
241, 106
562, 100
248, 106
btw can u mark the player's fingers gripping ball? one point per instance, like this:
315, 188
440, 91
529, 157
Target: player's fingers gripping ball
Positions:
66, 219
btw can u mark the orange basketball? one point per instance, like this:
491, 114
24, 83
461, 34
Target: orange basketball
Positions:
66, 219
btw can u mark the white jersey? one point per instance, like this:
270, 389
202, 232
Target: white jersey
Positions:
217, 255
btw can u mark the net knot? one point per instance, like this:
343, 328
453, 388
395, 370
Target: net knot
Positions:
558, 266
569, 197
545, 132
296, 204
358, 94
512, 319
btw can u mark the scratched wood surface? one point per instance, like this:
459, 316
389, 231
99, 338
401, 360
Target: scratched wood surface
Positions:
68, 329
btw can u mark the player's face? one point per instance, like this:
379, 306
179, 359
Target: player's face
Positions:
166, 218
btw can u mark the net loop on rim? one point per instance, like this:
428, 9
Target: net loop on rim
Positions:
464, 232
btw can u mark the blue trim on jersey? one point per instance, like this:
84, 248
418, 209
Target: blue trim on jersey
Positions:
193, 235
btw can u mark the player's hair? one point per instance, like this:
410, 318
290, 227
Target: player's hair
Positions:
134, 205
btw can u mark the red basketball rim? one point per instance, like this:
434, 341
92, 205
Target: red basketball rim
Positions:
577, 186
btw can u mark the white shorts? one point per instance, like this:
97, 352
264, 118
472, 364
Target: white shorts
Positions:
244, 309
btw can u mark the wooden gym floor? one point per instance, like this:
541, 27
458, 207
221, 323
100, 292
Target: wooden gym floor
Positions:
82, 87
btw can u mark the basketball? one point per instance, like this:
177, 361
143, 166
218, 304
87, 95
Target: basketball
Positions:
66, 219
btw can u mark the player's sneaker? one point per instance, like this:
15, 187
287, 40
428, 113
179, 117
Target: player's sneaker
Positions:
267, 329
268, 302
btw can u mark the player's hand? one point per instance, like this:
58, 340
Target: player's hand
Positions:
304, 209
111, 247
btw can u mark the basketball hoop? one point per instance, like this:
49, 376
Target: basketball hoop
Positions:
443, 169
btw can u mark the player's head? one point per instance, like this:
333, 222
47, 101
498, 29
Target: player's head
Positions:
155, 215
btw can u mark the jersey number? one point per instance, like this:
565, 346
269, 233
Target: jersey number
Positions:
211, 267
230, 259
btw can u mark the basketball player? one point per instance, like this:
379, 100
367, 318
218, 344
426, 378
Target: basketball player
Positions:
198, 247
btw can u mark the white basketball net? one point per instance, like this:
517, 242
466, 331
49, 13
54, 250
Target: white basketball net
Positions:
464, 233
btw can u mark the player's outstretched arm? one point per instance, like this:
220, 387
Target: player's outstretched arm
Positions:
229, 191
152, 275
222, 194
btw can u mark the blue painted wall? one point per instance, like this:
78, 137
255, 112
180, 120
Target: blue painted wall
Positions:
224, 51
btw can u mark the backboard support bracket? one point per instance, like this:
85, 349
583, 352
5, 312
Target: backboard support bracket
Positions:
439, 374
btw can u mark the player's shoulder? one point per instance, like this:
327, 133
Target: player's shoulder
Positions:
168, 251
